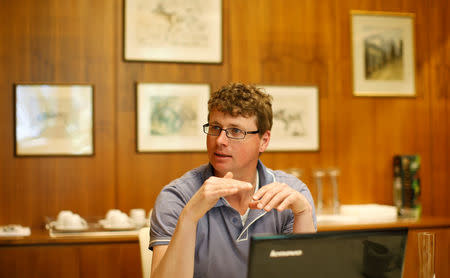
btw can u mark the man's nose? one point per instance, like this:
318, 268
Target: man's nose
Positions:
222, 137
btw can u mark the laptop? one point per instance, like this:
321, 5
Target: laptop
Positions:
376, 253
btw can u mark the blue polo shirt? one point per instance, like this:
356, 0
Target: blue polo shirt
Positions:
222, 242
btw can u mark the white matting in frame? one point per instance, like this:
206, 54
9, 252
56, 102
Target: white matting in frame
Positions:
170, 117
173, 30
295, 118
53, 120
383, 54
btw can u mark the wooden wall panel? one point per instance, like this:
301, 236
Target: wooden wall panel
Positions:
441, 253
57, 42
283, 42
84, 260
372, 130
30, 261
113, 260
439, 66
141, 176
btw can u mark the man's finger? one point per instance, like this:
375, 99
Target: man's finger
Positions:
269, 194
261, 192
241, 185
225, 192
286, 203
277, 199
253, 205
228, 175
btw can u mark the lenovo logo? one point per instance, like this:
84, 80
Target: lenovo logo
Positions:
288, 253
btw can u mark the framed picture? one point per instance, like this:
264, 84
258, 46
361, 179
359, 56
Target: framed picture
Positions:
383, 54
170, 117
173, 31
295, 118
54, 120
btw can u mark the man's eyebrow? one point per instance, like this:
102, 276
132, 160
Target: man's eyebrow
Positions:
231, 125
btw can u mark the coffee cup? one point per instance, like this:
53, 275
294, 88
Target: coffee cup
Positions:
69, 220
118, 220
74, 221
138, 216
63, 217
111, 213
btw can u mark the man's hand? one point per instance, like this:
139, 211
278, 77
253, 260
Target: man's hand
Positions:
280, 196
210, 192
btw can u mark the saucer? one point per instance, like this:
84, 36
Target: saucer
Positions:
14, 230
123, 227
140, 224
62, 228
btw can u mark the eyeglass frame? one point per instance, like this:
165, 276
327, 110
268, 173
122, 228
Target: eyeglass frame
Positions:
226, 132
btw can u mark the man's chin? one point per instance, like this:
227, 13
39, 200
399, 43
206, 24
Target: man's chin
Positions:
220, 169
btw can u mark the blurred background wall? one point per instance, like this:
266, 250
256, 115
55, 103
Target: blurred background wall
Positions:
286, 42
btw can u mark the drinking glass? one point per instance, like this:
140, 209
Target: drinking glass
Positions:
318, 175
426, 244
326, 181
333, 173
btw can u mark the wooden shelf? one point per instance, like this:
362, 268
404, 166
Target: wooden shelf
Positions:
42, 237
422, 223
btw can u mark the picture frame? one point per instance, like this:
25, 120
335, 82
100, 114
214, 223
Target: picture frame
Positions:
295, 118
170, 116
173, 31
54, 119
383, 54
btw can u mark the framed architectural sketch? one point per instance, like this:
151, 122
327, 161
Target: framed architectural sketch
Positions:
170, 117
383, 54
173, 31
54, 120
295, 118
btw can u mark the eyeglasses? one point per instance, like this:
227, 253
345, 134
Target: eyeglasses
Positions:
232, 132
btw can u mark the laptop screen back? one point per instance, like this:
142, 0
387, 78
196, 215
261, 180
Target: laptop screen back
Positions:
349, 254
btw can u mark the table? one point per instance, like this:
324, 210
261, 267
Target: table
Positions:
118, 255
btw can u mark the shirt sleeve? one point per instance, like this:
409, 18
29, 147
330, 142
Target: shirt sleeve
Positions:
288, 226
167, 209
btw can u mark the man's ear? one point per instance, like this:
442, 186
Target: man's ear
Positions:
264, 142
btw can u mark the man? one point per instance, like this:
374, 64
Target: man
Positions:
202, 222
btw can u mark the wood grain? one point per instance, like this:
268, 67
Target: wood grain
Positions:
57, 42
441, 253
283, 42
90, 260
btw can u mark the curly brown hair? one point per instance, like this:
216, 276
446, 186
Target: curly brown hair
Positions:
237, 99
